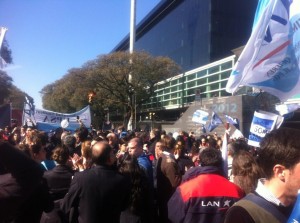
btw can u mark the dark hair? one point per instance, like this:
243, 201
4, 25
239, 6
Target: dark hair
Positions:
140, 190
60, 154
82, 133
211, 157
280, 146
246, 171
236, 146
212, 142
168, 143
101, 157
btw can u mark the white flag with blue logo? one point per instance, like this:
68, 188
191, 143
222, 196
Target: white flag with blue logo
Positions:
263, 123
270, 60
200, 117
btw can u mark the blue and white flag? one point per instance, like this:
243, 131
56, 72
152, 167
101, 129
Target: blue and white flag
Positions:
214, 122
200, 117
233, 121
271, 59
263, 123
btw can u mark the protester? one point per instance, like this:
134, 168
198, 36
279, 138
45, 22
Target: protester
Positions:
205, 197
100, 193
245, 171
273, 199
140, 207
234, 148
59, 181
168, 177
135, 149
23, 193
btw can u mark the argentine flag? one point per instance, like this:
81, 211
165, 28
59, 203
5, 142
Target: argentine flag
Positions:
270, 60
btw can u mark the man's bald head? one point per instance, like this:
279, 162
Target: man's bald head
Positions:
102, 153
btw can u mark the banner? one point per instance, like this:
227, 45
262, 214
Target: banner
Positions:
200, 117
233, 121
214, 122
5, 115
48, 120
271, 59
262, 123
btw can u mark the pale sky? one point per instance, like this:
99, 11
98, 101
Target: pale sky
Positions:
49, 37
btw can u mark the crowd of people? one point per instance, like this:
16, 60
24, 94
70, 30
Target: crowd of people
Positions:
136, 176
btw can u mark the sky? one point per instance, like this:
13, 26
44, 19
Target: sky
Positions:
49, 37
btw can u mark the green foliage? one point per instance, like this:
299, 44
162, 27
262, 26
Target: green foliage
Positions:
108, 76
5, 85
6, 52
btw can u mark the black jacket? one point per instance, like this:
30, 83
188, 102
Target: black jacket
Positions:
99, 193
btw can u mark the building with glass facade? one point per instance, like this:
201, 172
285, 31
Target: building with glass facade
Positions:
200, 36
194, 32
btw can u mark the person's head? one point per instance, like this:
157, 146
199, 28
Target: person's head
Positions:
179, 149
245, 171
86, 149
81, 134
236, 146
102, 154
69, 141
168, 143
16, 137
38, 152
279, 158
203, 141
155, 133
112, 139
64, 134
135, 147
158, 149
60, 154
211, 157
212, 142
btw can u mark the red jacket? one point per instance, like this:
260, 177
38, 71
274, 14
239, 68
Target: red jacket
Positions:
205, 198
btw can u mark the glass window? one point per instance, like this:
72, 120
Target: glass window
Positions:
191, 77
214, 69
225, 74
202, 81
226, 65
174, 82
201, 73
166, 97
214, 86
174, 89
174, 95
191, 84
213, 78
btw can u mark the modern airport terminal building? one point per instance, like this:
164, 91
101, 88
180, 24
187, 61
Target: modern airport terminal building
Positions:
205, 38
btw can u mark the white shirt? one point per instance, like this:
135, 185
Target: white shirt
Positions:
265, 193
